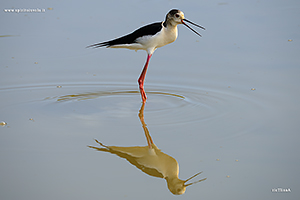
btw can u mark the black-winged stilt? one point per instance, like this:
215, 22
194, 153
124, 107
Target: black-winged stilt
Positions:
149, 38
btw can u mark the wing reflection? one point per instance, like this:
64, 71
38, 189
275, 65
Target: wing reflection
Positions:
151, 160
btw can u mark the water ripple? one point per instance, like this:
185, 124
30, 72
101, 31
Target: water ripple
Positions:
165, 105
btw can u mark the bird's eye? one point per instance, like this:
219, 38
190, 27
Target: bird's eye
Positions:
176, 15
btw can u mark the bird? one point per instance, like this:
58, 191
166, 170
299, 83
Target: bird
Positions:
149, 38
151, 160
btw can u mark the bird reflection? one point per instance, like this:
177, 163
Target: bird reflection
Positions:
151, 160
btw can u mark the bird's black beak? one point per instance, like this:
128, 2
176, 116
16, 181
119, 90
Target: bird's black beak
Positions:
193, 24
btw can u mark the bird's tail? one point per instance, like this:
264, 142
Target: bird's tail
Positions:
102, 44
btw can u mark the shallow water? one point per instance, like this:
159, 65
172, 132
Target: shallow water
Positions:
225, 104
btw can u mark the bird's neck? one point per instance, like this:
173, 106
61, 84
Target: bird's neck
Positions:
169, 25
171, 28
170, 32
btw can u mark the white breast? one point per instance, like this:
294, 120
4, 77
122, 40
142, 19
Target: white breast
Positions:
162, 38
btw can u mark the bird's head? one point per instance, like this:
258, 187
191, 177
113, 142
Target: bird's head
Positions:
175, 17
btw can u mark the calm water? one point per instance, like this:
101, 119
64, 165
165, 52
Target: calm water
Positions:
225, 104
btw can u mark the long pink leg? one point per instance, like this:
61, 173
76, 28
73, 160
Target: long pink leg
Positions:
142, 79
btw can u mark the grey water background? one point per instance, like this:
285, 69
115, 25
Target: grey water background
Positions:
225, 104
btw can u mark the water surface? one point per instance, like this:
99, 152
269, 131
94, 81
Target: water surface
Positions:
225, 104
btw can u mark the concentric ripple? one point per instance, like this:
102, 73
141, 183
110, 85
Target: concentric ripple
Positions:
165, 104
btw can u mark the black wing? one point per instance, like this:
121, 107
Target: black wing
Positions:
150, 29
